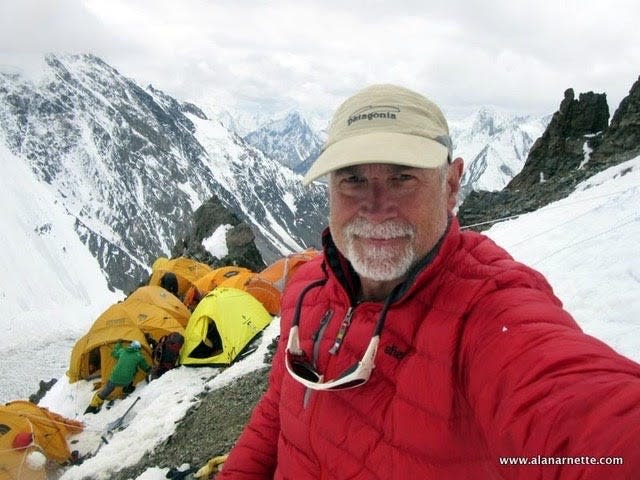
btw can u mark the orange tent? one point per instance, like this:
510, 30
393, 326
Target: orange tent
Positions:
25, 427
265, 292
279, 272
235, 276
267, 286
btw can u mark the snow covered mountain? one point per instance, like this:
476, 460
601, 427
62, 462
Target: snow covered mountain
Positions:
494, 146
493, 143
289, 140
130, 165
239, 121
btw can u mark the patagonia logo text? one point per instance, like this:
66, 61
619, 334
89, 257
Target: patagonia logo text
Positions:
393, 351
374, 111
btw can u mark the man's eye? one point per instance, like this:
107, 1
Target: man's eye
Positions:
353, 180
402, 177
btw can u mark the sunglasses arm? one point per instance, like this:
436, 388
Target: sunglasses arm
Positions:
293, 344
370, 355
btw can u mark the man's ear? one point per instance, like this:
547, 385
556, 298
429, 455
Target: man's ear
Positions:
454, 175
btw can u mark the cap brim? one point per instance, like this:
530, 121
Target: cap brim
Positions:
378, 147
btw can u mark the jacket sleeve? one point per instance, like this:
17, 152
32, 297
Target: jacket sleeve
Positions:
540, 386
255, 453
115, 353
144, 366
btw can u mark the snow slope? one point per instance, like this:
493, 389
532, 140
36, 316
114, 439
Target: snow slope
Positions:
51, 288
585, 244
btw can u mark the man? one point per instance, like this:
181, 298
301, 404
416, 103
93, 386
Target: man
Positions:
129, 360
475, 359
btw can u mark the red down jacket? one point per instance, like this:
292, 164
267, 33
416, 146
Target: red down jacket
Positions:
477, 361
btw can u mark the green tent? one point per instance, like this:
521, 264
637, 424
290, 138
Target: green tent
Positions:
221, 326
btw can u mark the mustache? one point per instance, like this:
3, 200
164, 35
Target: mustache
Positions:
386, 230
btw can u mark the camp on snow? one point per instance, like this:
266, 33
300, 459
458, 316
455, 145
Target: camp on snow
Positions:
231, 306
133, 319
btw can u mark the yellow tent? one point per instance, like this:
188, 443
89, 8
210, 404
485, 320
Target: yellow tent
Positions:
158, 296
91, 354
221, 326
47, 431
146, 315
130, 320
154, 321
186, 270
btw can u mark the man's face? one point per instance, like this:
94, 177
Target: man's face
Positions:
384, 217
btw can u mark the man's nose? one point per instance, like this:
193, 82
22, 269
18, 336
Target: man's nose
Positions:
378, 204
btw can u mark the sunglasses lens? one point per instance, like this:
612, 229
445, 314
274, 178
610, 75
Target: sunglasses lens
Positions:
304, 370
301, 369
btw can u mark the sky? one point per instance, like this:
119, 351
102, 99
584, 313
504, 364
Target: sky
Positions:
599, 286
272, 56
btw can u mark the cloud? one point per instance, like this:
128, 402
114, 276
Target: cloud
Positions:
31, 27
311, 54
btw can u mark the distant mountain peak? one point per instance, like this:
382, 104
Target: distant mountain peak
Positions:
494, 145
287, 139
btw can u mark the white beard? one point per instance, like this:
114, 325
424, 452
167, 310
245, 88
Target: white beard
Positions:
379, 263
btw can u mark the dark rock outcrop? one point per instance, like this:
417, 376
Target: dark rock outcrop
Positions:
576, 145
212, 214
560, 149
43, 388
621, 141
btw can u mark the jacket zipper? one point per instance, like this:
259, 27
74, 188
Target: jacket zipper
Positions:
317, 336
344, 326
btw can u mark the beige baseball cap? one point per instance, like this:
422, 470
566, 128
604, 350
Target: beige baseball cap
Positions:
384, 124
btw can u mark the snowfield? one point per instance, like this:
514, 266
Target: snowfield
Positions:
586, 245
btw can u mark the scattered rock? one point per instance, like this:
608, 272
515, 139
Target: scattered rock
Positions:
43, 388
210, 428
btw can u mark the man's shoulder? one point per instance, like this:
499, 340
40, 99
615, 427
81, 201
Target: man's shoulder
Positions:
306, 273
309, 270
479, 257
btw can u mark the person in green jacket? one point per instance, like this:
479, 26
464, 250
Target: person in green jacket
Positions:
129, 360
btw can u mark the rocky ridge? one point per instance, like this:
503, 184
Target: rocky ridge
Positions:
576, 144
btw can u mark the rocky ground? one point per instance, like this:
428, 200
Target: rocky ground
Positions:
210, 428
